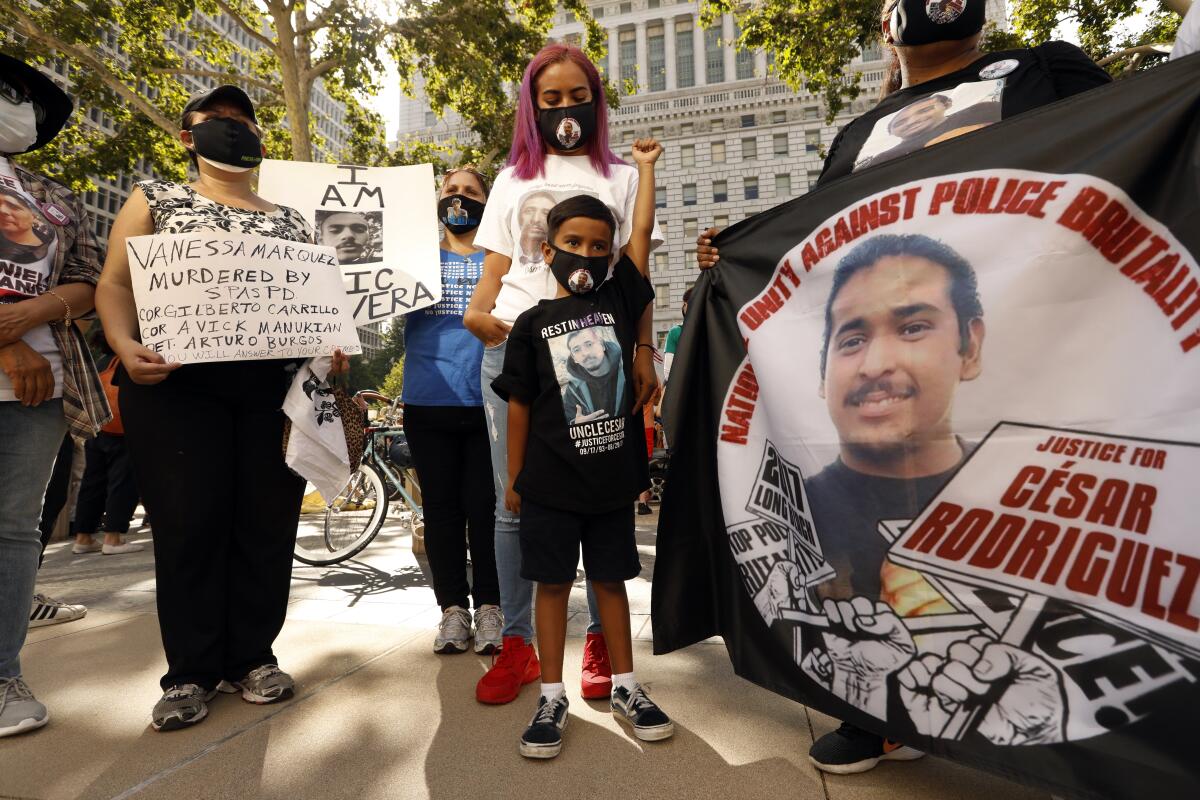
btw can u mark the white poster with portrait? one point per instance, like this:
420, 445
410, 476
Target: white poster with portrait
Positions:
381, 222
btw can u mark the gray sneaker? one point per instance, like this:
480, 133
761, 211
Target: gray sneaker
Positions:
20, 711
48, 611
266, 684
489, 623
180, 707
453, 632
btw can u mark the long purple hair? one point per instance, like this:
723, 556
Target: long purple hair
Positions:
528, 154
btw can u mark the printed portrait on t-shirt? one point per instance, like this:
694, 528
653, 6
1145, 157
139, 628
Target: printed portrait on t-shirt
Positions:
27, 246
591, 374
356, 236
932, 119
531, 217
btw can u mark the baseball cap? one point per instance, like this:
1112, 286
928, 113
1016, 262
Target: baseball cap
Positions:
226, 93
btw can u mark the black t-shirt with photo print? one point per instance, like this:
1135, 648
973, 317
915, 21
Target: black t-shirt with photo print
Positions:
571, 359
1026, 79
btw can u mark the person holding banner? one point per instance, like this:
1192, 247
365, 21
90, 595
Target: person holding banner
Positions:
560, 149
206, 439
447, 431
943, 60
49, 264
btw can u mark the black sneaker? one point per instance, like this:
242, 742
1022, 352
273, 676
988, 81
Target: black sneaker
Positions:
649, 722
850, 749
543, 737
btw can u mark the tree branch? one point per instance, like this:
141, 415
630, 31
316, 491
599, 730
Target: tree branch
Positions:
225, 76
320, 69
244, 25
322, 18
29, 27
1142, 50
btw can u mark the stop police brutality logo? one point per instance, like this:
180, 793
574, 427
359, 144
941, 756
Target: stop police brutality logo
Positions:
958, 464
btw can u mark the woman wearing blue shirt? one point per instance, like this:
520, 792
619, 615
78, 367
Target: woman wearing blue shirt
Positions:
447, 432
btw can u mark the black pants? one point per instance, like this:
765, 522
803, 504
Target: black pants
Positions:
56, 491
206, 447
454, 467
108, 488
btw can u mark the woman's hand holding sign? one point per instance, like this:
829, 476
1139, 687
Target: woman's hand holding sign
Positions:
143, 364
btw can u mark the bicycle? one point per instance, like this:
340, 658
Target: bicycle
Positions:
331, 532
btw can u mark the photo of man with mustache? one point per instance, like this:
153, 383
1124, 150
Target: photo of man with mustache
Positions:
532, 217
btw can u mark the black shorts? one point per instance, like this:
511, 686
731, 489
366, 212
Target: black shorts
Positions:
551, 540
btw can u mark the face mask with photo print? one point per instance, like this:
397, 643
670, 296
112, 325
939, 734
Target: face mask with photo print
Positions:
568, 128
578, 274
916, 22
464, 217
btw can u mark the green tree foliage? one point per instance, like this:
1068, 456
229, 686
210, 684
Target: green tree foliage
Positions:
814, 40
393, 383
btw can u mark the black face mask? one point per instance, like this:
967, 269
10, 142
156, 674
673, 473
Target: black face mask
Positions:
913, 22
227, 142
578, 274
463, 219
567, 128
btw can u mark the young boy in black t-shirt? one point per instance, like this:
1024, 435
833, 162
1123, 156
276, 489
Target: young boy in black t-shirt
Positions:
576, 445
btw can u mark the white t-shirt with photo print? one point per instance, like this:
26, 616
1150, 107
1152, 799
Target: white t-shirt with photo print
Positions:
25, 269
514, 223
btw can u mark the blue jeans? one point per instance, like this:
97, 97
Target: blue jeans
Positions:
516, 593
29, 441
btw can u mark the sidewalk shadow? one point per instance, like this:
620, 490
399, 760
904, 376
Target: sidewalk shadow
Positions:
359, 579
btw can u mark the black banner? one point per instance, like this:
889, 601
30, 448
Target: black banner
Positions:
936, 433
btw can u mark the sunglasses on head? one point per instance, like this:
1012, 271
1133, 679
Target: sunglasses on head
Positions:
469, 170
16, 95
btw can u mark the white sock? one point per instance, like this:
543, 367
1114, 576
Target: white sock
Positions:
624, 680
552, 690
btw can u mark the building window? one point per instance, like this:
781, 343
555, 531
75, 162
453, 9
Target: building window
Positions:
813, 176
750, 187
812, 112
783, 185
720, 191
778, 117
717, 124
685, 54
747, 120
626, 8
627, 46
662, 340
718, 152
744, 59
779, 144
689, 194
721, 221
656, 57
658, 132
653, 4
626, 137
687, 129
714, 57
687, 155
689, 258
872, 52
812, 141
598, 12
661, 262
430, 119
690, 230
749, 149
660, 197
575, 39
662, 295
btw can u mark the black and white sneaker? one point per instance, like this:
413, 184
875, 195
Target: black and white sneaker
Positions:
543, 737
649, 722
850, 749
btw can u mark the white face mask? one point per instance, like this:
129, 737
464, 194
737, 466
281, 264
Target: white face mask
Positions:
18, 127
226, 167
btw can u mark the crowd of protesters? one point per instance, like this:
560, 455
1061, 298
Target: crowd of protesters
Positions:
515, 402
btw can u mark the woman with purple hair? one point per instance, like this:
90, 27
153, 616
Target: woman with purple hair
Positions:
560, 149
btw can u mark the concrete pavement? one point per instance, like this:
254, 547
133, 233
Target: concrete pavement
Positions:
378, 715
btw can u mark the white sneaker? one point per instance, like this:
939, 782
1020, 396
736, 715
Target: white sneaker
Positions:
123, 547
19, 709
489, 623
454, 631
80, 549
48, 611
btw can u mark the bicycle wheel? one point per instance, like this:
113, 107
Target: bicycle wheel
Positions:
333, 532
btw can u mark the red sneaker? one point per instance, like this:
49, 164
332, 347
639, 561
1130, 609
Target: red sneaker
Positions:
597, 669
514, 666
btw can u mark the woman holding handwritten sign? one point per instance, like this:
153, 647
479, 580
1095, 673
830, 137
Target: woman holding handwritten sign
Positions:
206, 439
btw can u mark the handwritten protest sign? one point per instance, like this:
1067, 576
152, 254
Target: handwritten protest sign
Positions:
381, 222
232, 297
